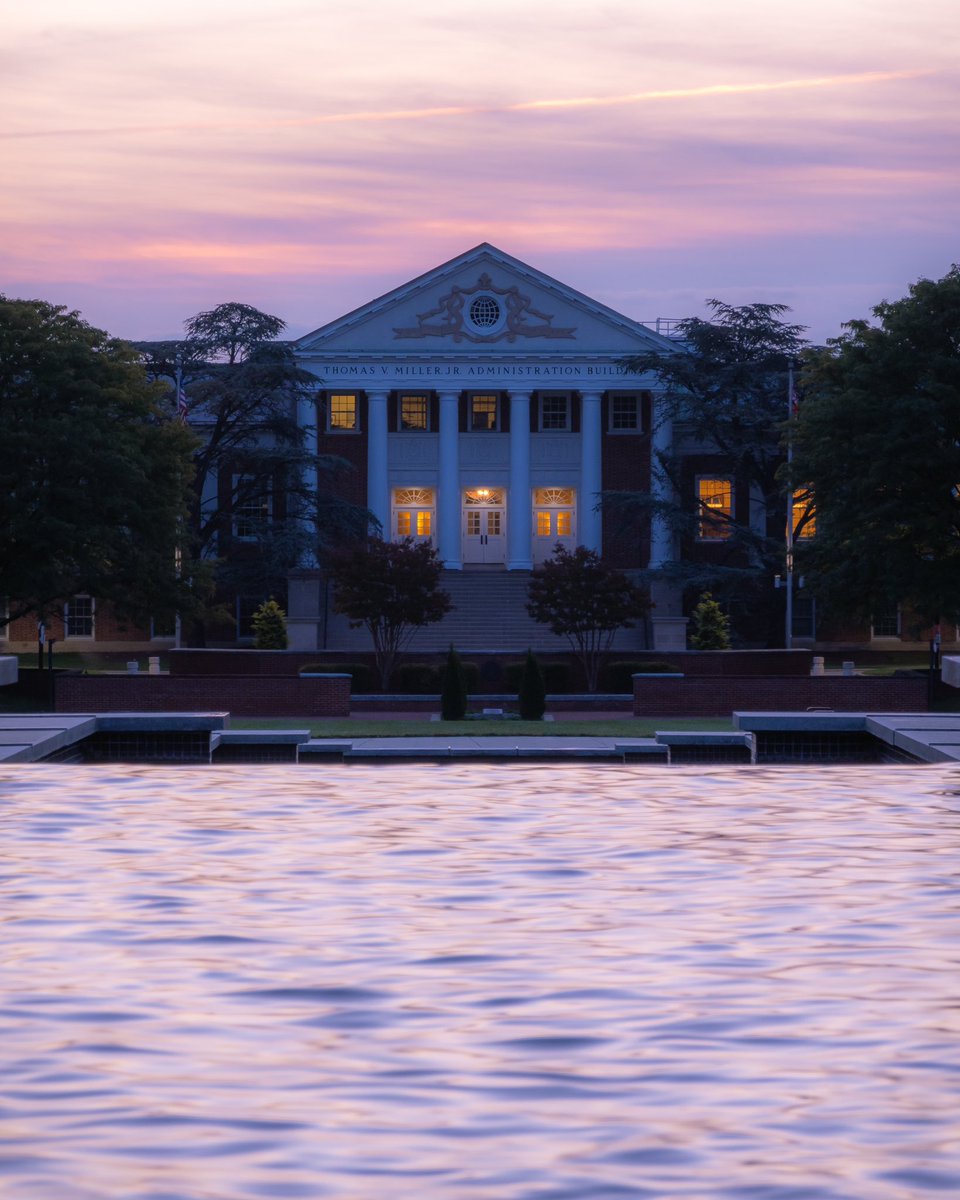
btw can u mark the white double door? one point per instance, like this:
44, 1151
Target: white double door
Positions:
484, 535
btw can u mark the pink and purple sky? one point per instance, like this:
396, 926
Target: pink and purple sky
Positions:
307, 157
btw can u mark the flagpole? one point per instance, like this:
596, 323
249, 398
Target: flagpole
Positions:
178, 382
788, 639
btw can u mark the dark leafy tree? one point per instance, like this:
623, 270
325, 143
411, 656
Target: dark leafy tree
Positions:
711, 626
580, 598
726, 393
391, 588
94, 476
453, 689
532, 697
241, 387
877, 443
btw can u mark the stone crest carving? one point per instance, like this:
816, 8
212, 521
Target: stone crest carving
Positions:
484, 313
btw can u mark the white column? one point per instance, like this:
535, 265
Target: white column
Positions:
448, 491
588, 515
661, 539
378, 485
307, 422
519, 501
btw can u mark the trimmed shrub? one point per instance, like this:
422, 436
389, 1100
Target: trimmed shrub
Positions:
556, 676
453, 690
269, 627
532, 693
416, 679
710, 626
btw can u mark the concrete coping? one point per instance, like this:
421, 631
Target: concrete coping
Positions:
800, 722
9, 669
259, 737
322, 675
181, 722
711, 737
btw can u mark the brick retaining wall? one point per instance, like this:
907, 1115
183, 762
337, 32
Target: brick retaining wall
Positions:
700, 696
244, 696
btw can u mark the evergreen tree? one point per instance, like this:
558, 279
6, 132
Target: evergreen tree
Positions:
533, 691
270, 627
711, 627
453, 691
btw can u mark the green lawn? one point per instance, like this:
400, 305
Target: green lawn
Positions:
628, 727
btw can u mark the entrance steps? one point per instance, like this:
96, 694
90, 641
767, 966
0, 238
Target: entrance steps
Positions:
489, 613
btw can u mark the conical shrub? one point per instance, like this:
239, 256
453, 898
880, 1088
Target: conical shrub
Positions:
453, 691
533, 691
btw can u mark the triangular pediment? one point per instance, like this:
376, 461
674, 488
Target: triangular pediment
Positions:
482, 300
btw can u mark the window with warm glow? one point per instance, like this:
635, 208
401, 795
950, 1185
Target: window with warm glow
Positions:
414, 412
543, 524
715, 502
564, 524
803, 514
403, 524
343, 412
483, 412
423, 524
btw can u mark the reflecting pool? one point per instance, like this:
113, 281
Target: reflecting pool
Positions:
481, 981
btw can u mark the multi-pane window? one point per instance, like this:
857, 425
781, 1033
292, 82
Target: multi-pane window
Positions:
715, 505
78, 617
554, 412
803, 514
414, 412
343, 412
625, 412
251, 509
886, 623
410, 523
483, 413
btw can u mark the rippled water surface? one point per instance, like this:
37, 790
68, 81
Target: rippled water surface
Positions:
479, 981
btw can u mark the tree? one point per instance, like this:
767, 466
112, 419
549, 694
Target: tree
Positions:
577, 596
877, 444
453, 690
393, 588
270, 626
726, 393
253, 468
532, 697
94, 476
711, 627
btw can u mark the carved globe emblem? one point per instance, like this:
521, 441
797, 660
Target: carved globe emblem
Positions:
484, 312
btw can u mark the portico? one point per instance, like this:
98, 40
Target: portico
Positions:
486, 407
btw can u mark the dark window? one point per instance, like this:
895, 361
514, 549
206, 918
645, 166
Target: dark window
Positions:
414, 412
625, 412
554, 412
78, 617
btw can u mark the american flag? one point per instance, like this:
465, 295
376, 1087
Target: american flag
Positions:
182, 410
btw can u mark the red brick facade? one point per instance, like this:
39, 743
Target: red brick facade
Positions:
243, 696
718, 696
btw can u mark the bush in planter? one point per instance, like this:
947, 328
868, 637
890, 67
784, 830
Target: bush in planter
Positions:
556, 676
453, 691
618, 676
532, 693
416, 679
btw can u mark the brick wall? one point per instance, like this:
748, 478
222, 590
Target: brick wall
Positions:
697, 696
244, 696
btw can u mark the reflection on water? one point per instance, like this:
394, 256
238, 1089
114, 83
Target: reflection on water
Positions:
479, 981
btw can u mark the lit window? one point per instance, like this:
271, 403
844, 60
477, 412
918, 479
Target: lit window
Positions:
543, 524
414, 412
804, 514
403, 523
715, 500
423, 524
483, 412
554, 412
564, 524
343, 412
78, 617
625, 412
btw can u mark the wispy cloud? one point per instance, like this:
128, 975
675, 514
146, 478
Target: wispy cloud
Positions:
862, 79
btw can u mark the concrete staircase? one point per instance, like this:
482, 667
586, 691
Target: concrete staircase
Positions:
489, 613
